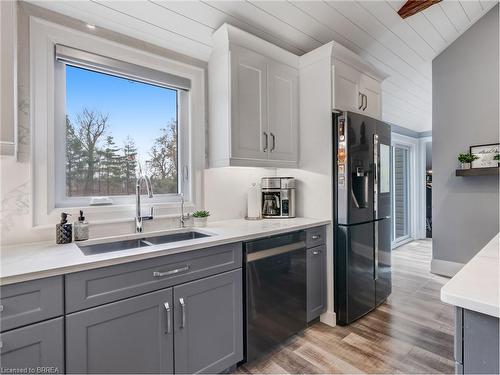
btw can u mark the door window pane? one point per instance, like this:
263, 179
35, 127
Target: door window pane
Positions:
401, 193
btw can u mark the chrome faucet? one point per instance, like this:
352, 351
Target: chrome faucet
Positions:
138, 218
183, 217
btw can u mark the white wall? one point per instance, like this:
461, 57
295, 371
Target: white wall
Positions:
17, 184
226, 190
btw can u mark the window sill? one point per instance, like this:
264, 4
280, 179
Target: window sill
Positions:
119, 214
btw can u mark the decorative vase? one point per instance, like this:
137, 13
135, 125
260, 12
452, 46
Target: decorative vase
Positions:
200, 221
464, 165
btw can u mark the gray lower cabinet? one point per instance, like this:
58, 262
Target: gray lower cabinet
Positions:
32, 347
476, 343
134, 335
30, 302
316, 282
209, 324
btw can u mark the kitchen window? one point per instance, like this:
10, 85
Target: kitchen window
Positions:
170, 92
119, 119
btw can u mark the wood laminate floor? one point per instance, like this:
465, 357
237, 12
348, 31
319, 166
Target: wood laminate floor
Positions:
411, 333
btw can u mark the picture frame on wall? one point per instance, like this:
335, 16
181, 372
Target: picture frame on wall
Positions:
486, 155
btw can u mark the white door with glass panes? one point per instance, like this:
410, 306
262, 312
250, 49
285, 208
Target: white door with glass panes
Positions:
401, 195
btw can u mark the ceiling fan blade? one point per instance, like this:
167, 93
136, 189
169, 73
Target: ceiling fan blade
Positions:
412, 7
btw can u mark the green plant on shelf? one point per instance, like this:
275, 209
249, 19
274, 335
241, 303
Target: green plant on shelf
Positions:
201, 214
467, 157
497, 157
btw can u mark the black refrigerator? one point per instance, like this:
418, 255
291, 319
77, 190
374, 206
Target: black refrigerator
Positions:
362, 186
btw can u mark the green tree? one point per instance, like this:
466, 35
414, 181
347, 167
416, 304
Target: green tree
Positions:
111, 164
129, 164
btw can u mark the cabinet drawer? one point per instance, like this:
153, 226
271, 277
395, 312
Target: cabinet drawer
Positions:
96, 287
30, 302
315, 236
36, 345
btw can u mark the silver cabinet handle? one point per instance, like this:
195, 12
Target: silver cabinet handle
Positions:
183, 312
266, 144
171, 272
1, 308
274, 142
360, 96
316, 252
366, 101
168, 310
316, 236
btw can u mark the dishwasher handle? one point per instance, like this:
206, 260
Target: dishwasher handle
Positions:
266, 253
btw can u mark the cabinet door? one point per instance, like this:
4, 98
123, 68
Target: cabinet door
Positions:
134, 335
346, 83
249, 104
316, 282
371, 89
33, 346
209, 324
283, 111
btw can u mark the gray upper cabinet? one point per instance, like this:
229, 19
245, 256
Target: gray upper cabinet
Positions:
36, 345
30, 302
130, 336
316, 282
209, 324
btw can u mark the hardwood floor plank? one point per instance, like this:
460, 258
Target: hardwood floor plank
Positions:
412, 332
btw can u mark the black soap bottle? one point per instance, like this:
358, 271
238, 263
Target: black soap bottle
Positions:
64, 230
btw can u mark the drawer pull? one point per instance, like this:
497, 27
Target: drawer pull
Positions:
183, 312
316, 236
171, 272
1, 308
167, 308
316, 252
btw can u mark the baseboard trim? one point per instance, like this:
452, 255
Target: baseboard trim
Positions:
445, 268
329, 318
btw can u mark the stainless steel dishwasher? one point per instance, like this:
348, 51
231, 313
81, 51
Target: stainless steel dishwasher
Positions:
276, 295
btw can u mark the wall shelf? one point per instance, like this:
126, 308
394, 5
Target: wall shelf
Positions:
492, 171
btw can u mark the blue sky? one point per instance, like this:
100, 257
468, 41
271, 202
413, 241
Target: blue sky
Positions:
134, 108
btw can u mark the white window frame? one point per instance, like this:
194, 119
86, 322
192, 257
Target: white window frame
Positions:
62, 201
47, 106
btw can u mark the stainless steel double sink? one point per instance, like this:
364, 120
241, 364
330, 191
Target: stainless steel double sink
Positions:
135, 243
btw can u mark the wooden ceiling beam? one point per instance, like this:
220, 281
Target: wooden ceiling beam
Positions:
412, 7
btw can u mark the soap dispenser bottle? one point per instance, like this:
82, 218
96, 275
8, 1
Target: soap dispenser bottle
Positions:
81, 228
64, 230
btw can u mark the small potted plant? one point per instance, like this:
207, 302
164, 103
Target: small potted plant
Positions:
497, 158
466, 160
200, 218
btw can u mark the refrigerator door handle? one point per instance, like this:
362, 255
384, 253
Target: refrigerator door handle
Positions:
376, 162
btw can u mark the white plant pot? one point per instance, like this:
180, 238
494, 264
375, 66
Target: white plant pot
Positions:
464, 165
200, 222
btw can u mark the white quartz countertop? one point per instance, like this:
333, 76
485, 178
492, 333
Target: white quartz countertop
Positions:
476, 286
37, 260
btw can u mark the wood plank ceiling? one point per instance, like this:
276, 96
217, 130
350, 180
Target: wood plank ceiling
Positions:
373, 29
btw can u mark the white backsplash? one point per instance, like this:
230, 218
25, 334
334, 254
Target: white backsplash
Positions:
226, 190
